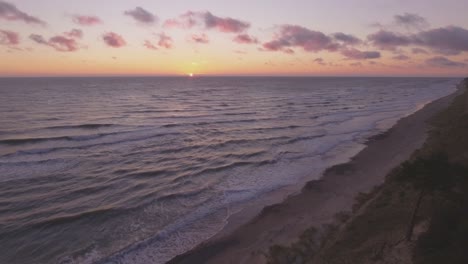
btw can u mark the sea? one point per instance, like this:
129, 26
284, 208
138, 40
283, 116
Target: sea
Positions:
141, 169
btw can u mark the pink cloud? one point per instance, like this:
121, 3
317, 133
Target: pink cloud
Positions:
208, 21
114, 40
86, 20
355, 54
245, 39
165, 41
59, 43
12, 13
149, 45
74, 33
8, 38
141, 15
291, 36
202, 38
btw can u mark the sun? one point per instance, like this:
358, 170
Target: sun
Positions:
190, 74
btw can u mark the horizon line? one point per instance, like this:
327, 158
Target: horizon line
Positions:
226, 75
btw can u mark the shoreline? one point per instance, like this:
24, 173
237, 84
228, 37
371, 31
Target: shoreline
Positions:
335, 192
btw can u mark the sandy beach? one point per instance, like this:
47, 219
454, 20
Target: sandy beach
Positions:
321, 200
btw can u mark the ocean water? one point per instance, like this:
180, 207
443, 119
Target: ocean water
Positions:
138, 170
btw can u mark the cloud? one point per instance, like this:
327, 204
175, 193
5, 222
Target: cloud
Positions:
292, 36
388, 40
8, 38
59, 43
411, 21
10, 12
114, 40
355, 54
440, 61
320, 61
228, 25
207, 20
165, 41
419, 51
149, 45
401, 57
86, 20
141, 15
38, 39
202, 38
356, 64
74, 33
449, 40
245, 39
347, 39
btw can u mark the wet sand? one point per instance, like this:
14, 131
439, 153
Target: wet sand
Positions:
320, 200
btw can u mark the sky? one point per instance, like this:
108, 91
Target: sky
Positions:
243, 37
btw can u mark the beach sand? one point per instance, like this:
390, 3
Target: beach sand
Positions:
319, 201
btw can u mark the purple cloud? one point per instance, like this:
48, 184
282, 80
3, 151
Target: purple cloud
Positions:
208, 21
8, 38
291, 36
141, 15
419, 51
245, 39
355, 54
387, 40
202, 38
401, 57
10, 12
440, 61
347, 39
228, 25
86, 20
449, 40
114, 40
38, 39
74, 33
410, 21
59, 43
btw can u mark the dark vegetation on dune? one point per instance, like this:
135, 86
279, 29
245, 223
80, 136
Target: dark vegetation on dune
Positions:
419, 215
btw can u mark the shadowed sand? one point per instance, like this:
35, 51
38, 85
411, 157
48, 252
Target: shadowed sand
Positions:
319, 200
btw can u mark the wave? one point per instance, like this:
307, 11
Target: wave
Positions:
84, 138
83, 126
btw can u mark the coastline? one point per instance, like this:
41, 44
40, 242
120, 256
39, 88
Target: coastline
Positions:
320, 200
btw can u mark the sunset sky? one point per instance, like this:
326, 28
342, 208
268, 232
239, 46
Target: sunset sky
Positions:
243, 37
